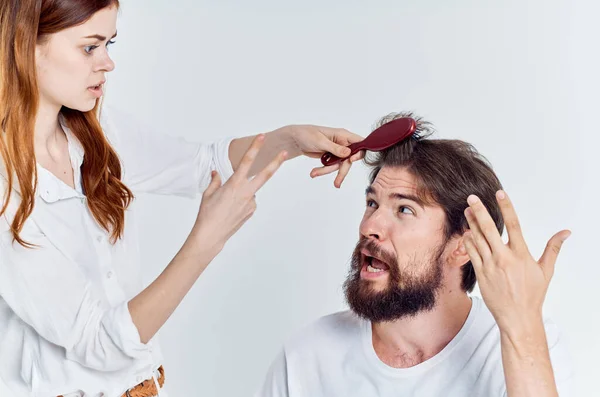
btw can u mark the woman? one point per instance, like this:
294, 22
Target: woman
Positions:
73, 321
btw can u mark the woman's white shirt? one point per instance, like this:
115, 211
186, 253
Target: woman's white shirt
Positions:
64, 321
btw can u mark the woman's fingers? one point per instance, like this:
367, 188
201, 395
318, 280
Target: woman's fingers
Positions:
215, 183
320, 171
263, 176
243, 169
344, 168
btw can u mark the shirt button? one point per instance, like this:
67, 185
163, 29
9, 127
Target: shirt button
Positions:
99, 239
109, 274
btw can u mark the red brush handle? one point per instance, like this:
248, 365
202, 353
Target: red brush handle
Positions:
331, 159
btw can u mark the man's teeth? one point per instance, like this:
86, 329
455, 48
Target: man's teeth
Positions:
371, 269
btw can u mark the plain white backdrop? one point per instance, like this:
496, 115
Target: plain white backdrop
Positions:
518, 79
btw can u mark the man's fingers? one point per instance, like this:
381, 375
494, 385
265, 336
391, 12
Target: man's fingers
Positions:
548, 259
477, 236
476, 260
486, 225
511, 221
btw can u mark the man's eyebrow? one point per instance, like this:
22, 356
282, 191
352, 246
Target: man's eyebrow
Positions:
99, 37
398, 196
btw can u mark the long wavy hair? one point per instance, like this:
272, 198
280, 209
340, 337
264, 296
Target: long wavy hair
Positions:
23, 25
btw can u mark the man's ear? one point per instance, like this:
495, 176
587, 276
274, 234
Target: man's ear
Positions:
458, 254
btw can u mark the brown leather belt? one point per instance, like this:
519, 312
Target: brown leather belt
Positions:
147, 388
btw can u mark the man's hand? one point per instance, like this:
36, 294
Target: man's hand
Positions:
513, 285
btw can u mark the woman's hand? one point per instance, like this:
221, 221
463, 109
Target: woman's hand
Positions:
225, 208
308, 140
313, 141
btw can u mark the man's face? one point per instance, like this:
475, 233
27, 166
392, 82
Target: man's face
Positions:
397, 266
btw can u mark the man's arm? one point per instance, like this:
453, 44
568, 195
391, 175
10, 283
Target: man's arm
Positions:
526, 360
513, 285
275, 383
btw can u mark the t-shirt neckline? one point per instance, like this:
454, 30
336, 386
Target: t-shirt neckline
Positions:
421, 368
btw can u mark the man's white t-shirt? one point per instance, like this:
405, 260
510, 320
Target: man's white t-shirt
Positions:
335, 357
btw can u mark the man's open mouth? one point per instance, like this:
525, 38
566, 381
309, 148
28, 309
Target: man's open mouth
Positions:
374, 265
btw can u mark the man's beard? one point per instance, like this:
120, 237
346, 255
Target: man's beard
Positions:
405, 295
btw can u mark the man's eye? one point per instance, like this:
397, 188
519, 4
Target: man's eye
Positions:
406, 210
371, 203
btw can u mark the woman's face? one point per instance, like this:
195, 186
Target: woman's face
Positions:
72, 64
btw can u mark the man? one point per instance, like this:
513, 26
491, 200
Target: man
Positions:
432, 227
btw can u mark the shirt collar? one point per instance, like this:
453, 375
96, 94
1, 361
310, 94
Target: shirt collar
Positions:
50, 188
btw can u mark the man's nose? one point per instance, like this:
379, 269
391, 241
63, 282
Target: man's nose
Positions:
374, 226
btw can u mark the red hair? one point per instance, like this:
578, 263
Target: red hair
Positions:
23, 25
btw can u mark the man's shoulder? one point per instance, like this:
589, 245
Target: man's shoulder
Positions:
341, 328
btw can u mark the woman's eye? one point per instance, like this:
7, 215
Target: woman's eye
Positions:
90, 48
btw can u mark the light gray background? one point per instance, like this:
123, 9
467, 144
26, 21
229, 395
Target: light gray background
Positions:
519, 79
